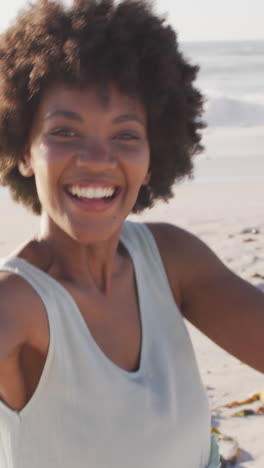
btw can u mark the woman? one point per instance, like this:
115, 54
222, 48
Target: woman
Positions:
99, 117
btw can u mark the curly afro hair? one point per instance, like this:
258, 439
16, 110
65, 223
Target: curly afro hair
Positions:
99, 41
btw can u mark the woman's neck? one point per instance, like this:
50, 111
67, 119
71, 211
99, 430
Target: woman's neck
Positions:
94, 264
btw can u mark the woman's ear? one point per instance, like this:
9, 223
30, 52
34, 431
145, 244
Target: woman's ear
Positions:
24, 166
147, 178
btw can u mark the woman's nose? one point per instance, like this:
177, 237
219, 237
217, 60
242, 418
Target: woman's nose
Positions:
96, 155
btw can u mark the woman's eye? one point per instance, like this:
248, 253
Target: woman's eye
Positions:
63, 132
126, 136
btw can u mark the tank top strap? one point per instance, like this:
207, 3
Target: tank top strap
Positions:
139, 237
142, 247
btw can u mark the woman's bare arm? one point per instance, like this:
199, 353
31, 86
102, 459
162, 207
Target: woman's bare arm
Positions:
226, 308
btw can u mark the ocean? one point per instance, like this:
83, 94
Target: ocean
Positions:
231, 78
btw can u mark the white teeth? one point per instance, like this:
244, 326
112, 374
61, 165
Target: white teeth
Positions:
90, 192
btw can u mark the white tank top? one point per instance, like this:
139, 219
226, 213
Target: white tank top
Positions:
87, 412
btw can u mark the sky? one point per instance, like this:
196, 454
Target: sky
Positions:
194, 20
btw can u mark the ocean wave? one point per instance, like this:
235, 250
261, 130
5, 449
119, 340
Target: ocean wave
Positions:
218, 49
225, 111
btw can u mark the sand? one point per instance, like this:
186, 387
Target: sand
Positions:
230, 218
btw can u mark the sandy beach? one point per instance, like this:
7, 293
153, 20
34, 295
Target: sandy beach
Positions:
229, 216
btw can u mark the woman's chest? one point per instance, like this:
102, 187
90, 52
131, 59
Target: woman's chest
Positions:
114, 324
115, 327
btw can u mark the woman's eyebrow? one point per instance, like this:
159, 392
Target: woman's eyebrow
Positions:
75, 116
127, 117
63, 113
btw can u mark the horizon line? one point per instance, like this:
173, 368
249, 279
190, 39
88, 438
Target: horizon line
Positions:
220, 40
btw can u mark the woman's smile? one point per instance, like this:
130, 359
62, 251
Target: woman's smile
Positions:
93, 196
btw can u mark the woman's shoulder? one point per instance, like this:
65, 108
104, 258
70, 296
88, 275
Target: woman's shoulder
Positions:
185, 257
175, 243
16, 293
165, 234
21, 312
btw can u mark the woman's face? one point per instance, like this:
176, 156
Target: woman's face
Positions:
90, 156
